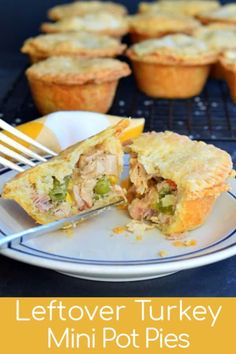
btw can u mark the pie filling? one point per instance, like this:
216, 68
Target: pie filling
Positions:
153, 197
93, 179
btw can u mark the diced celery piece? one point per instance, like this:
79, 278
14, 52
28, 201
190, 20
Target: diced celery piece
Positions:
59, 191
168, 200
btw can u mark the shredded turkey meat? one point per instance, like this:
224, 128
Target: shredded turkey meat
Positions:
90, 168
86, 191
152, 197
97, 163
94, 177
41, 202
138, 176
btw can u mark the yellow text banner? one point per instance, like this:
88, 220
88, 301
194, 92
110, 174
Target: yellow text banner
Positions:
117, 325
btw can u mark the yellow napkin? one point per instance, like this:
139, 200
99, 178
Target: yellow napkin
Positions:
59, 130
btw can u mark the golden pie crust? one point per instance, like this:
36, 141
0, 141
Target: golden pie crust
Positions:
225, 14
182, 7
80, 8
98, 23
219, 37
22, 187
72, 44
199, 170
228, 64
175, 66
155, 25
66, 83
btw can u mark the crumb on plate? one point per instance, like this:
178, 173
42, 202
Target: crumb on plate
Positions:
139, 227
186, 243
123, 206
163, 253
139, 238
119, 230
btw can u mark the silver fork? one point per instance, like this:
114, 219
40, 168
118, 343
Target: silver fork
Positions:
55, 225
25, 152
7, 151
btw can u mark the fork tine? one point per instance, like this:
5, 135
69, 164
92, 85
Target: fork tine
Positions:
13, 143
10, 164
24, 137
15, 155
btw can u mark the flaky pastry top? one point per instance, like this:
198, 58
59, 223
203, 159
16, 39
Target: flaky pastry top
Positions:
101, 23
217, 36
225, 14
173, 49
72, 71
228, 59
198, 169
155, 22
80, 43
79, 8
184, 7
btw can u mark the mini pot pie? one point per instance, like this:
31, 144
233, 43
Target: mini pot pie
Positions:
66, 83
219, 37
228, 63
98, 23
182, 7
155, 25
175, 181
80, 8
174, 66
225, 14
72, 44
84, 176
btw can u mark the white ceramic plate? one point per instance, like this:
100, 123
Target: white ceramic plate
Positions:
92, 251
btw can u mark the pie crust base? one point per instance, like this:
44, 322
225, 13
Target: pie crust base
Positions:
62, 83
229, 72
51, 97
167, 81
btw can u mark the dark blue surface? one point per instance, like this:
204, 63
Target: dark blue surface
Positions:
19, 20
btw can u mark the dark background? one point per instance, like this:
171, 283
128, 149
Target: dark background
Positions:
20, 19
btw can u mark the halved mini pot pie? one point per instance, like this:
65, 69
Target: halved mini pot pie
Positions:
225, 14
72, 44
158, 24
228, 64
219, 37
175, 181
84, 176
80, 8
181, 7
98, 23
174, 66
66, 83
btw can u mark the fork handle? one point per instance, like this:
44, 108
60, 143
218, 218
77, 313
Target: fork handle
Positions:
53, 226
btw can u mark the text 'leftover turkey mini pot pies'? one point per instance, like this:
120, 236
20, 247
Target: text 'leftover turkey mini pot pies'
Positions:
219, 37
174, 66
84, 176
182, 7
228, 63
225, 14
175, 181
158, 24
98, 23
66, 83
80, 8
72, 44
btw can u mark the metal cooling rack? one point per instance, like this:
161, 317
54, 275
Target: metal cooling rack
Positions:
210, 116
